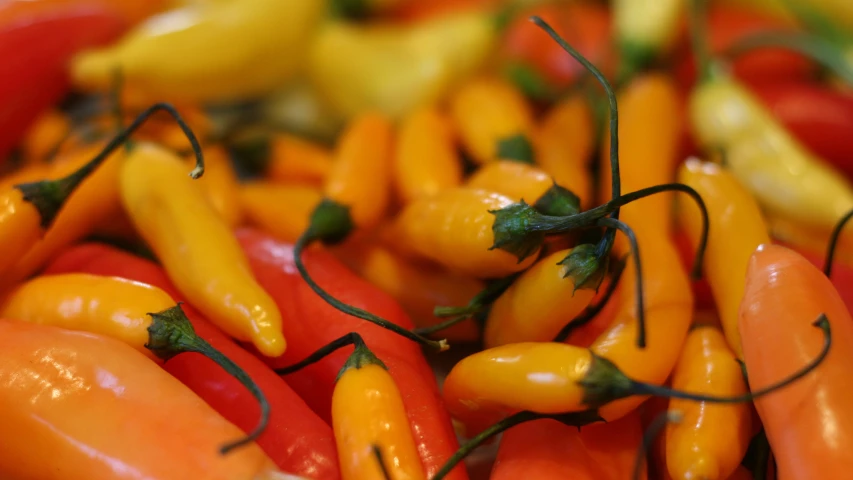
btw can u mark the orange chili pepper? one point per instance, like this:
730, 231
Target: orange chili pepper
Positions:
262, 203
25, 174
564, 142
418, 287
361, 173
368, 413
44, 136
737, 229
137, 314
453, 228
710, 440
197, 249
220, 185
493, 120
425, 161
518, 181
101, 409
295, 159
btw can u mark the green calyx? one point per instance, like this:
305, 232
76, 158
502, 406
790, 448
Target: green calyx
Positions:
604, 383
360, 357
558, 201
516, 148
48, 196
331, 222
530, 82
513, 230
585, 267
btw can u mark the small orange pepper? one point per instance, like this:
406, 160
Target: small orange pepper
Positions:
516, 180
295, 159
284, 210
220, 184
425, 160
44, 136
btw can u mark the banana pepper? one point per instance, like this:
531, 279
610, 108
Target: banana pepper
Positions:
395, 68
209, 51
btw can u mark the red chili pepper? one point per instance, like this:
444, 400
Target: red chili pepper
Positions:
726, 26
819, 117
35, 44
296, 438
702, 296
310, 323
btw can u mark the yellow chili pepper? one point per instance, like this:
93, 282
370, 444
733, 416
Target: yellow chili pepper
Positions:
140, 315
516, 180
196, 247
645, 30
45, 135
425, 160
493, 119
361, 173
540, 302
710, 440
220, 185
368, 412
214, 51
737, 229
396, 68
454, 229
565, 157
295, 159
264, 205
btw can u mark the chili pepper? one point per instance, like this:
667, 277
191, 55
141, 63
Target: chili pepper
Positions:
396, 68
196, 247
693, 446
452, 229
645, 31
36, 41
419, 288
703, 298
518, 181
737, 229
313, 323
194, 59
585, 25
117, 308
820, 118
262, 203
784, 293
131, 11
44, 135
220, 186
760, 153
726, 26
493, 120
296, 438
566, 157
425, 159
546, 449
741, 473
295, 159
409, 11
542, 300
103, 410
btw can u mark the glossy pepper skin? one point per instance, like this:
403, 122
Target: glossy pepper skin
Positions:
140, 420
710, 440
516, 180
737, 228
812, 418
296, 439
36, 41
312, 323
196, 247
454, 229
367, 411
195, 59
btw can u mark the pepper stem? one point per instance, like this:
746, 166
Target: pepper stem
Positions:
305, 240
171, 333
591, 311
810, 46
383, 467
48, 196
605, 382
638, 274
574, 419
649, 436
478, 303
697, 15
833, 242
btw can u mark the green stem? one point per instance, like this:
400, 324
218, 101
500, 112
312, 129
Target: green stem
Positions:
377, 452
477, 304
638, 274
48, 196
649, 436
833, 242
590, 312
575, 419
809, 46
171, 333
308, 238
698, 25
322, 352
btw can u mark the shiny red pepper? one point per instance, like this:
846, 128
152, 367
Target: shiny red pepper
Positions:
726, 26
35, 44
310, 323
819, 117
296, 438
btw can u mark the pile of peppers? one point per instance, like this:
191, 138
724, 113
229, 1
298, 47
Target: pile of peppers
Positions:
423, 239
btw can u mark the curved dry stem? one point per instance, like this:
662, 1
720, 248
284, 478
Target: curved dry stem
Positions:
833, 242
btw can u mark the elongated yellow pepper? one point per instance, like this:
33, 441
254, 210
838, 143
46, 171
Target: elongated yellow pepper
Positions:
208, 51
